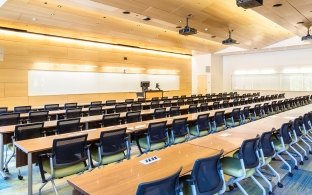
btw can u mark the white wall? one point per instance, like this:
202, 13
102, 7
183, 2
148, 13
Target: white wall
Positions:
278, 61
199, 63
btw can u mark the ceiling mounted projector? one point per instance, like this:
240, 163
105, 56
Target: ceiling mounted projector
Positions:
187, 30
249, 3
229, 41
308, 37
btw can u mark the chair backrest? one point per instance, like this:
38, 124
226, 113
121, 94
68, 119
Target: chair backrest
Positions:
183, 96
3, 110
216, 105
265, 143
159, 113
111, 120
248, 152
192, 108
284, 132
22, 109
242, 101
235, 102
155, 104
175, 97
236, 114
179, 127
68, 125
96, 103
257, 109
167, 103
246, 111
141, 100
249, 100
203, 122
69, 150
110, 102
121, 108
174, 111
180, 102
165, 98
38, 116
28, 131
51, 107
113, 142
203, 107
297, 126
133, 116
265, 108
168, 185
207, 176
219, 118
129, 101
189, 101
136, 106
155, 98
157, 132
193, 96
226, 104
9, 119
73, 113
95, 110
71, 105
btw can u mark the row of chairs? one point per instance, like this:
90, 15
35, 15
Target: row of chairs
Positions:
245, 163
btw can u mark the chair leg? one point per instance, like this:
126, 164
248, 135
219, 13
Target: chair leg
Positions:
42, 187
308, 145
266, 180
303, 150
298, 153
288, 166
262, 188
293, 158
54, 187
241, 188
8, 161
193, 189
279, 184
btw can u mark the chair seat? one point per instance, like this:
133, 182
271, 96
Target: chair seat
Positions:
218, 128
247, 120
230, 123
256, 117
64, 171
107, 159
194, 132
232, 166
10, 146
267, 160
154, 146
279, 146
178, 140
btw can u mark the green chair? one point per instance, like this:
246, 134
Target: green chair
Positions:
156, 138
202, 126
179, 131
236, 118
243, 164
219, 123
113, 147
69, 156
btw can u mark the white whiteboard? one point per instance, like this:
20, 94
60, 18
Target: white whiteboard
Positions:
279, 82
65, 82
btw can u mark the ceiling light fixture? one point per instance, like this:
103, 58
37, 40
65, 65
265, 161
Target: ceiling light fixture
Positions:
147, 18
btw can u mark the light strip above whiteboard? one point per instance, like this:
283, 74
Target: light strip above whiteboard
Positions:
66, 82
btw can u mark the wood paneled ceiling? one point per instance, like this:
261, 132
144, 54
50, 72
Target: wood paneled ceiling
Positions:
103, 20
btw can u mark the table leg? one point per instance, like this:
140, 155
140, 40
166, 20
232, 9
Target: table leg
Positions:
137, 142
29, 162
2, 173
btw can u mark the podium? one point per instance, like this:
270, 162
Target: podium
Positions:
153, 93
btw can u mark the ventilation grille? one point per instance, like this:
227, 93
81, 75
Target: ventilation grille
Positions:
207, 68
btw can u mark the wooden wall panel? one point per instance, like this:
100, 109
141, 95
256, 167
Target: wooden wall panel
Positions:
23, 53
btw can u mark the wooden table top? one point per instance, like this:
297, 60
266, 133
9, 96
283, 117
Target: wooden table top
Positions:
124, 177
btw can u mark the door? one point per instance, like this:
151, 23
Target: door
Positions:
202, 84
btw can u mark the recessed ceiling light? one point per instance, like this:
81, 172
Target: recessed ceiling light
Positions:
277, 5
52, 14
34, 19
206, 29
146, 18
300, 22
126, 12
59, 6
45, 3
180, 21
104, 17
178, 26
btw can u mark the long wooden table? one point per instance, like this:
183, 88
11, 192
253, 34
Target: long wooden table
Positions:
45, 143
123, 178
